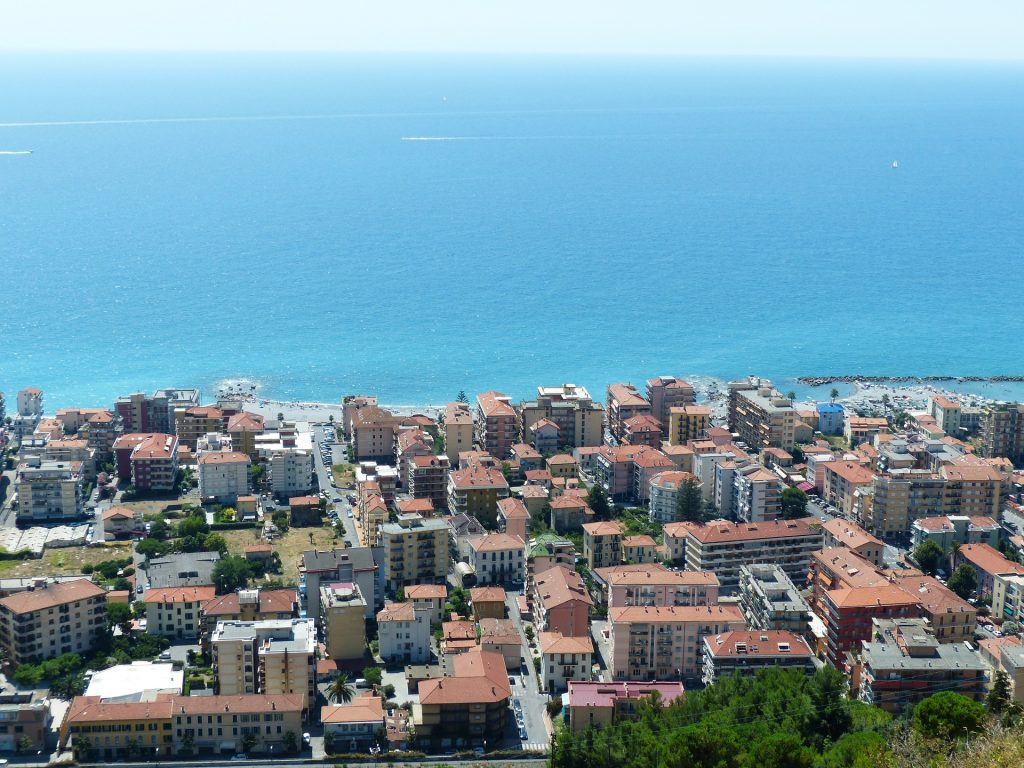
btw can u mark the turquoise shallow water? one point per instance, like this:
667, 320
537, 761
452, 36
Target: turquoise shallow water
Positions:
584, 220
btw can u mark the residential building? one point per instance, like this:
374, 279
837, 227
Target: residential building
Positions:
373, 434
403, 633
1002, 431
747, 651
513, 517
342, 622
498, 559
863, 429
192, 423
843, 533
972, 488
268, 657
121, 522
342, 565
651, 643
497, 425
371, 513
428, 479
355, 727
647, 464
842, 478
152, 461
472, 703
664, 494
596, 704
95, 729
950, 531
30, 403
1008, 597
428, 597
544, 436
946, 414
48, 491
458, 430
546, 551
722, 547
305, 511
769, 600
561, 602
487, 602
952, 619
410, 443
900, 496
501, 636
249, 605
642, 430
688, 422
569, 514
639, 549
848, 615
655, 585
903, 663
761, 415
42, 623
578, 421
757, 496
351, 404
26, 719
987, 563
224, 475
624, 402
563, 659
831, 417
243, 427
457, 637
187, 569
667, 392
67, 450
176, 612
290, 471
271, 718
415, 551
475, 490
621, 468
602, 544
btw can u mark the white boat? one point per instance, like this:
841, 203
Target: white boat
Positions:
895, 164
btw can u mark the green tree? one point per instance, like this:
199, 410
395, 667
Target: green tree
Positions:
214, 542
794, 503
689, 502
928, 556
24, 744
230, 573
151, 548
780, 750
948, 716
458, 602
373, 675
289, 741
341, 690
999, 699
194, 525
1011, 628
833, 394
597, 500
844, 753
120, 615
964, 580
159, 530
791, 395
461, 397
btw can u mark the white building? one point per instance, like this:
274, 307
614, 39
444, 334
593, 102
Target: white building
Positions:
498, 559
664, 492
30, 402
756, 494
291, 471
403, 633
223, 475
564, 659
48, 490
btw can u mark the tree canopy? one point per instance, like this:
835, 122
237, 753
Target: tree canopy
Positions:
794, 503
928, 556
964, 580
689, 502
597, 500
948, 715
231, 573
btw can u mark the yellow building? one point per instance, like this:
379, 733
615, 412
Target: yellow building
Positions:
192, 423
458, 430
688, 422
415, 551
475, 490
602, 544
342, 621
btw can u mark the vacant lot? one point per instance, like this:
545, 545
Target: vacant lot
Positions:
344, 475
64, 561
155, 506
288, 547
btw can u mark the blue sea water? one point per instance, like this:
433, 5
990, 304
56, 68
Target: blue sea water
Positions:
187, 218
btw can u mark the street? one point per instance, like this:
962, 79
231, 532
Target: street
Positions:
325, 480
526, 689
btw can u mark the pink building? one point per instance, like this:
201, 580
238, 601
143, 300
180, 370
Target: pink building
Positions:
561, 602
652, 584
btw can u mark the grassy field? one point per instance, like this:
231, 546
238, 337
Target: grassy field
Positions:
288, 547
64, 561
153, 506
344, 475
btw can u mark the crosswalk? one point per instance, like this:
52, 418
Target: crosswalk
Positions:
535, 746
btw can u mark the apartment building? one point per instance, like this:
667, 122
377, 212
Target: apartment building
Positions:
498, 559
135, 412
371, 513
355, 727
243, 427
950, 531
757, 494
602, 544
415, 551
652, 643
513, 517
291, 471
342, 621
547, 551
842, 479
655, 585
623, 403
769, 600
428, 597
569, 514
863, 429
428, 479
355, 564
101, 430
903, 663
561, 602
497, 424
373, 434
664, 490
190, 424
667, 392
848, 615
639, 549
722, 547
224, 475
67, 450
155, 413
642, 430
176, 612
48, 491
488, 602
471, 703
577, 419
43, 623
410, 443
26, 719
831, 417
1002, 431
249, 605
760, 415
952, 619
458, 430
987, 563
596, 704
843, 533
403, 633
268, 657
475, 490
152, 460
900, 496
746, 652
686, 423
563, 659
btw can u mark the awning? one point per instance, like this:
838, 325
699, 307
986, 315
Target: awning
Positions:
805, 487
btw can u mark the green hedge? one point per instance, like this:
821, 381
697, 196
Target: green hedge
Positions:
232, 526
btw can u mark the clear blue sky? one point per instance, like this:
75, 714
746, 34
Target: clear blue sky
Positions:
986, 29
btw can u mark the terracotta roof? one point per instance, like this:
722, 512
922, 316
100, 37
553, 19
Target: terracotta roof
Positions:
495, 542
487, 595
397, 612
562, 458
754, 643
499, 631
205, 412
479, 678
259, 702
532, 491
556, 642
426, 591
650, 574
851, 471
493, 404
944, 402
675, 614
542, 423
513, 509
866, 597
849, 568
304, 501
651, 457
987, 559
673, 479
179, 595
101, 417
970, 473
642, 422
932, 594
362, 709
52, 595
254, 549
243, 420
603, 528
721, 531
478, 476
156, 446
559, 585
119, 512
92, 709
538, 475
525, 451
270, 601
604, 695
415, 506
429, 460
458, 630
625, 394
567, 502
223, 457
849, 534
638, 541
412, 438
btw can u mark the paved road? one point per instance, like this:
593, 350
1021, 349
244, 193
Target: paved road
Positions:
526, 689
326, 482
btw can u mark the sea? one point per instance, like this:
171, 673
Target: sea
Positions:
413, 226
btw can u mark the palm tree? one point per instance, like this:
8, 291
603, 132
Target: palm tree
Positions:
834, 394
341, 689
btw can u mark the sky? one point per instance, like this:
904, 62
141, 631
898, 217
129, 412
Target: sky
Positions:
942, 29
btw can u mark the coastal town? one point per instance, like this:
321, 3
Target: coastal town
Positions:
248, 580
